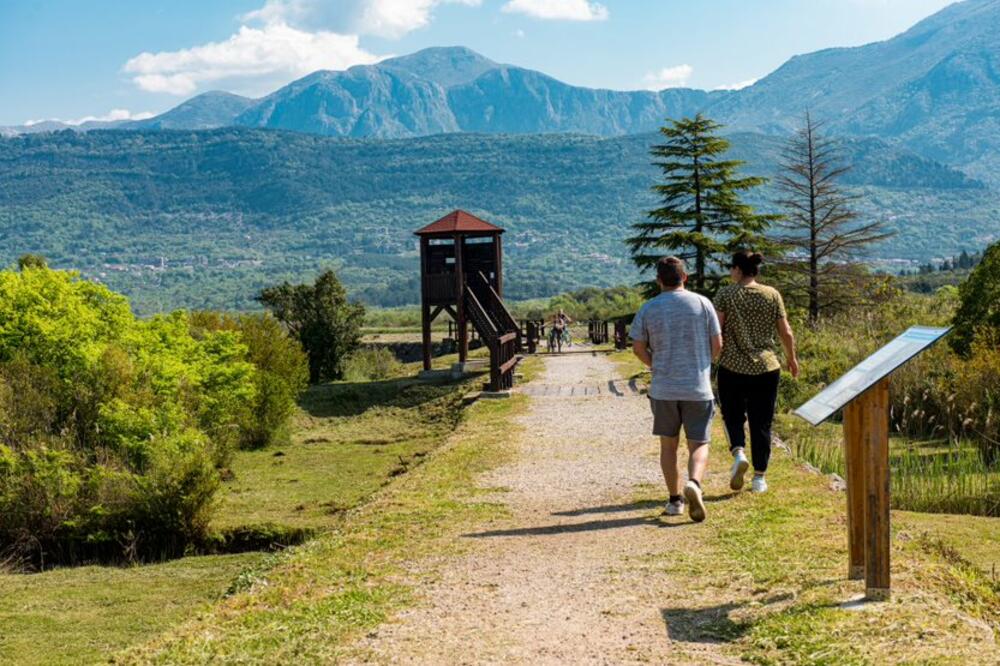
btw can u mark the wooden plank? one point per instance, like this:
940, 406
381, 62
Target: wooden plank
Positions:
508, 337
854, 463
876, 460
509, 365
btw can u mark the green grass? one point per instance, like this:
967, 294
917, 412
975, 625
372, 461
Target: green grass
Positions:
780, 562
77, 615
349, 440
319, 594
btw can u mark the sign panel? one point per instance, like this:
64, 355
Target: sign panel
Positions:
864, 375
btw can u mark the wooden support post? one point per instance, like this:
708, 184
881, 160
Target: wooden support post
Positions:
498, 262
460, 282
854, 462
425, 308
876, 462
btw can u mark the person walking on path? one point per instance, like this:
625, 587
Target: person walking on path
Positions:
749, 370
677, 335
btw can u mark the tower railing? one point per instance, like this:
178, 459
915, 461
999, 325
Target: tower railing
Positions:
501, 343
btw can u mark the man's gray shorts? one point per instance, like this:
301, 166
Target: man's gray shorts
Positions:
694, 415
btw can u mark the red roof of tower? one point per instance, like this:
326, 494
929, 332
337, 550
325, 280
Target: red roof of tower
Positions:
458, 221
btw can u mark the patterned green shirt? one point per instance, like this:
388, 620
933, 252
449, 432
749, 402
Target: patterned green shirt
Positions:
752, 314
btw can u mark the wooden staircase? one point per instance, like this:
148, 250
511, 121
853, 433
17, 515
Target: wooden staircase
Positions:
497, 328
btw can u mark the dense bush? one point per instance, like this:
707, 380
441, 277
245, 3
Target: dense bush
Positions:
112, 429
281, 373
371, 364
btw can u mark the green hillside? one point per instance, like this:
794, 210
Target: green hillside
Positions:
204, 219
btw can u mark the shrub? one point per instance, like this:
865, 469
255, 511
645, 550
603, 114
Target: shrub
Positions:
281, 373
371, 364
111, 428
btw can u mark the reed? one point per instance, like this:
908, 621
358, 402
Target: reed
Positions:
937, 476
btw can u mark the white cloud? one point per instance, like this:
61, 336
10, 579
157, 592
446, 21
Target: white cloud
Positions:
738, 86
113, 114
560, 10
252, 60
282, 41
383, 18
668, 77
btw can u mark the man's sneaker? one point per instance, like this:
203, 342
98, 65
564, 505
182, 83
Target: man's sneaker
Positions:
740, 467
759, 484
696, 505
675, 508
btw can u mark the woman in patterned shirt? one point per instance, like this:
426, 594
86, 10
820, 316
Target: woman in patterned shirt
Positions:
751, 315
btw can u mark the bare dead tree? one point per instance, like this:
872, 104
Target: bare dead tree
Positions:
821, 227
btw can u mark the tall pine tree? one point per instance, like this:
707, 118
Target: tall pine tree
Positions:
702, 217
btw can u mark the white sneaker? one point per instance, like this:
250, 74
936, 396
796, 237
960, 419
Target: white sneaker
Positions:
759, 484
740, 467
696, 505
675, 508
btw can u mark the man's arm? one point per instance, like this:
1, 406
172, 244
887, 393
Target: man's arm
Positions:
641, 350
715, 319
788, 342
716, 347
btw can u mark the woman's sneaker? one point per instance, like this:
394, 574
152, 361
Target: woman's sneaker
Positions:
739, 470
759, 484
675, 508
696, 505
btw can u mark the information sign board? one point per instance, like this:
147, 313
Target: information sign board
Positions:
864, 375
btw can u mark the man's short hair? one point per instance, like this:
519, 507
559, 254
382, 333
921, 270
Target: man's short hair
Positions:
671, 271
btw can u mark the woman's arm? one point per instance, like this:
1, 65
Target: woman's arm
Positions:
788, 342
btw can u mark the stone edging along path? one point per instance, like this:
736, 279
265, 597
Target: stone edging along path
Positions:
580, 571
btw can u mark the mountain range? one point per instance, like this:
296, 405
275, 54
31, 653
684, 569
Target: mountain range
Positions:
934, 89
203, 205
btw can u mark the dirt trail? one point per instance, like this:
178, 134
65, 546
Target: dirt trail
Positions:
580, 573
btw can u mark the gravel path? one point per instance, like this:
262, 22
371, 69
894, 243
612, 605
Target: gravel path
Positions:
581, 573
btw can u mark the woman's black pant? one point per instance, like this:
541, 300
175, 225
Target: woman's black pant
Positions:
749, 398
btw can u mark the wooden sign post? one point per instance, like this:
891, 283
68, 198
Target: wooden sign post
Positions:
863, 394
866, 453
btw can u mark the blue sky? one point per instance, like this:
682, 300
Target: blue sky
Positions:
71, 60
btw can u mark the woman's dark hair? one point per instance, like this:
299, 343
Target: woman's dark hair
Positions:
748, 262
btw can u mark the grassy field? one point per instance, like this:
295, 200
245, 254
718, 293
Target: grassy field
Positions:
77, 615
348, 442
307, 604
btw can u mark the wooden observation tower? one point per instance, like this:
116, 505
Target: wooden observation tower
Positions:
461, 274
